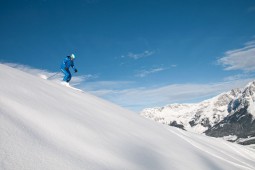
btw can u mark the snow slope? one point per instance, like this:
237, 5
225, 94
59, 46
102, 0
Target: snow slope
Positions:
47, 126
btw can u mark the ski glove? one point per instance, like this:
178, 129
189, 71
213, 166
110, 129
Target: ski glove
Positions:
66, 69
75, 70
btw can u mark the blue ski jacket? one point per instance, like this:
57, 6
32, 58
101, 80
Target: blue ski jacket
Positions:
67, 63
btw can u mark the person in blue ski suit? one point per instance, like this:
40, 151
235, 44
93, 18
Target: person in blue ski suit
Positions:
66, 64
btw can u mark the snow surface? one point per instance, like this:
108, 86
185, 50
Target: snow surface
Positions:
47, 126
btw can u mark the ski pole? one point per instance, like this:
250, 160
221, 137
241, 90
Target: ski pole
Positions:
53, 75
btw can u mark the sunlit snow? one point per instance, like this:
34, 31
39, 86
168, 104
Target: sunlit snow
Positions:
45, 125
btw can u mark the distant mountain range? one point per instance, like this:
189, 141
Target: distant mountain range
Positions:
229, 115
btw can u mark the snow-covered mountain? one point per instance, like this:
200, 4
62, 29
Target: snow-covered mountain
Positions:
47, 126
239, 123
229, 115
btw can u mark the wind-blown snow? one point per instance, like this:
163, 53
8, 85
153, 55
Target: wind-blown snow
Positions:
47, 126
45, 74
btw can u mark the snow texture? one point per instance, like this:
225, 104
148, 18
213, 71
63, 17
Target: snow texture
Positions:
47, 126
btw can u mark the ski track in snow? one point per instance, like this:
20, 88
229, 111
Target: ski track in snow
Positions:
249, 152
217, 149
202, 148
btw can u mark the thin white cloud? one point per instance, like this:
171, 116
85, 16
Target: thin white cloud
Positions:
240, 59
138, 55
107, 85
238, 77
76, 80
144, 73
140, 98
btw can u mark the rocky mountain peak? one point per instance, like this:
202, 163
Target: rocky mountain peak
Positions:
228, 114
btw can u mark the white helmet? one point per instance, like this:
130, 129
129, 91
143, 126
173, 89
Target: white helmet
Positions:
72, 56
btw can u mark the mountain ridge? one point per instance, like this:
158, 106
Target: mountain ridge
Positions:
205, 116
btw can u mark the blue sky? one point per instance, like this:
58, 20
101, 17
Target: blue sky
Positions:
136, 53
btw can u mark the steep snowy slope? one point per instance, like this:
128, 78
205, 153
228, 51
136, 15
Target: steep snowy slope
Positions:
47, 126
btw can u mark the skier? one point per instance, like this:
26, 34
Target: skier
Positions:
66, 64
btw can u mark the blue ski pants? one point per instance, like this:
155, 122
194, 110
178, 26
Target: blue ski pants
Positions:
67, 76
